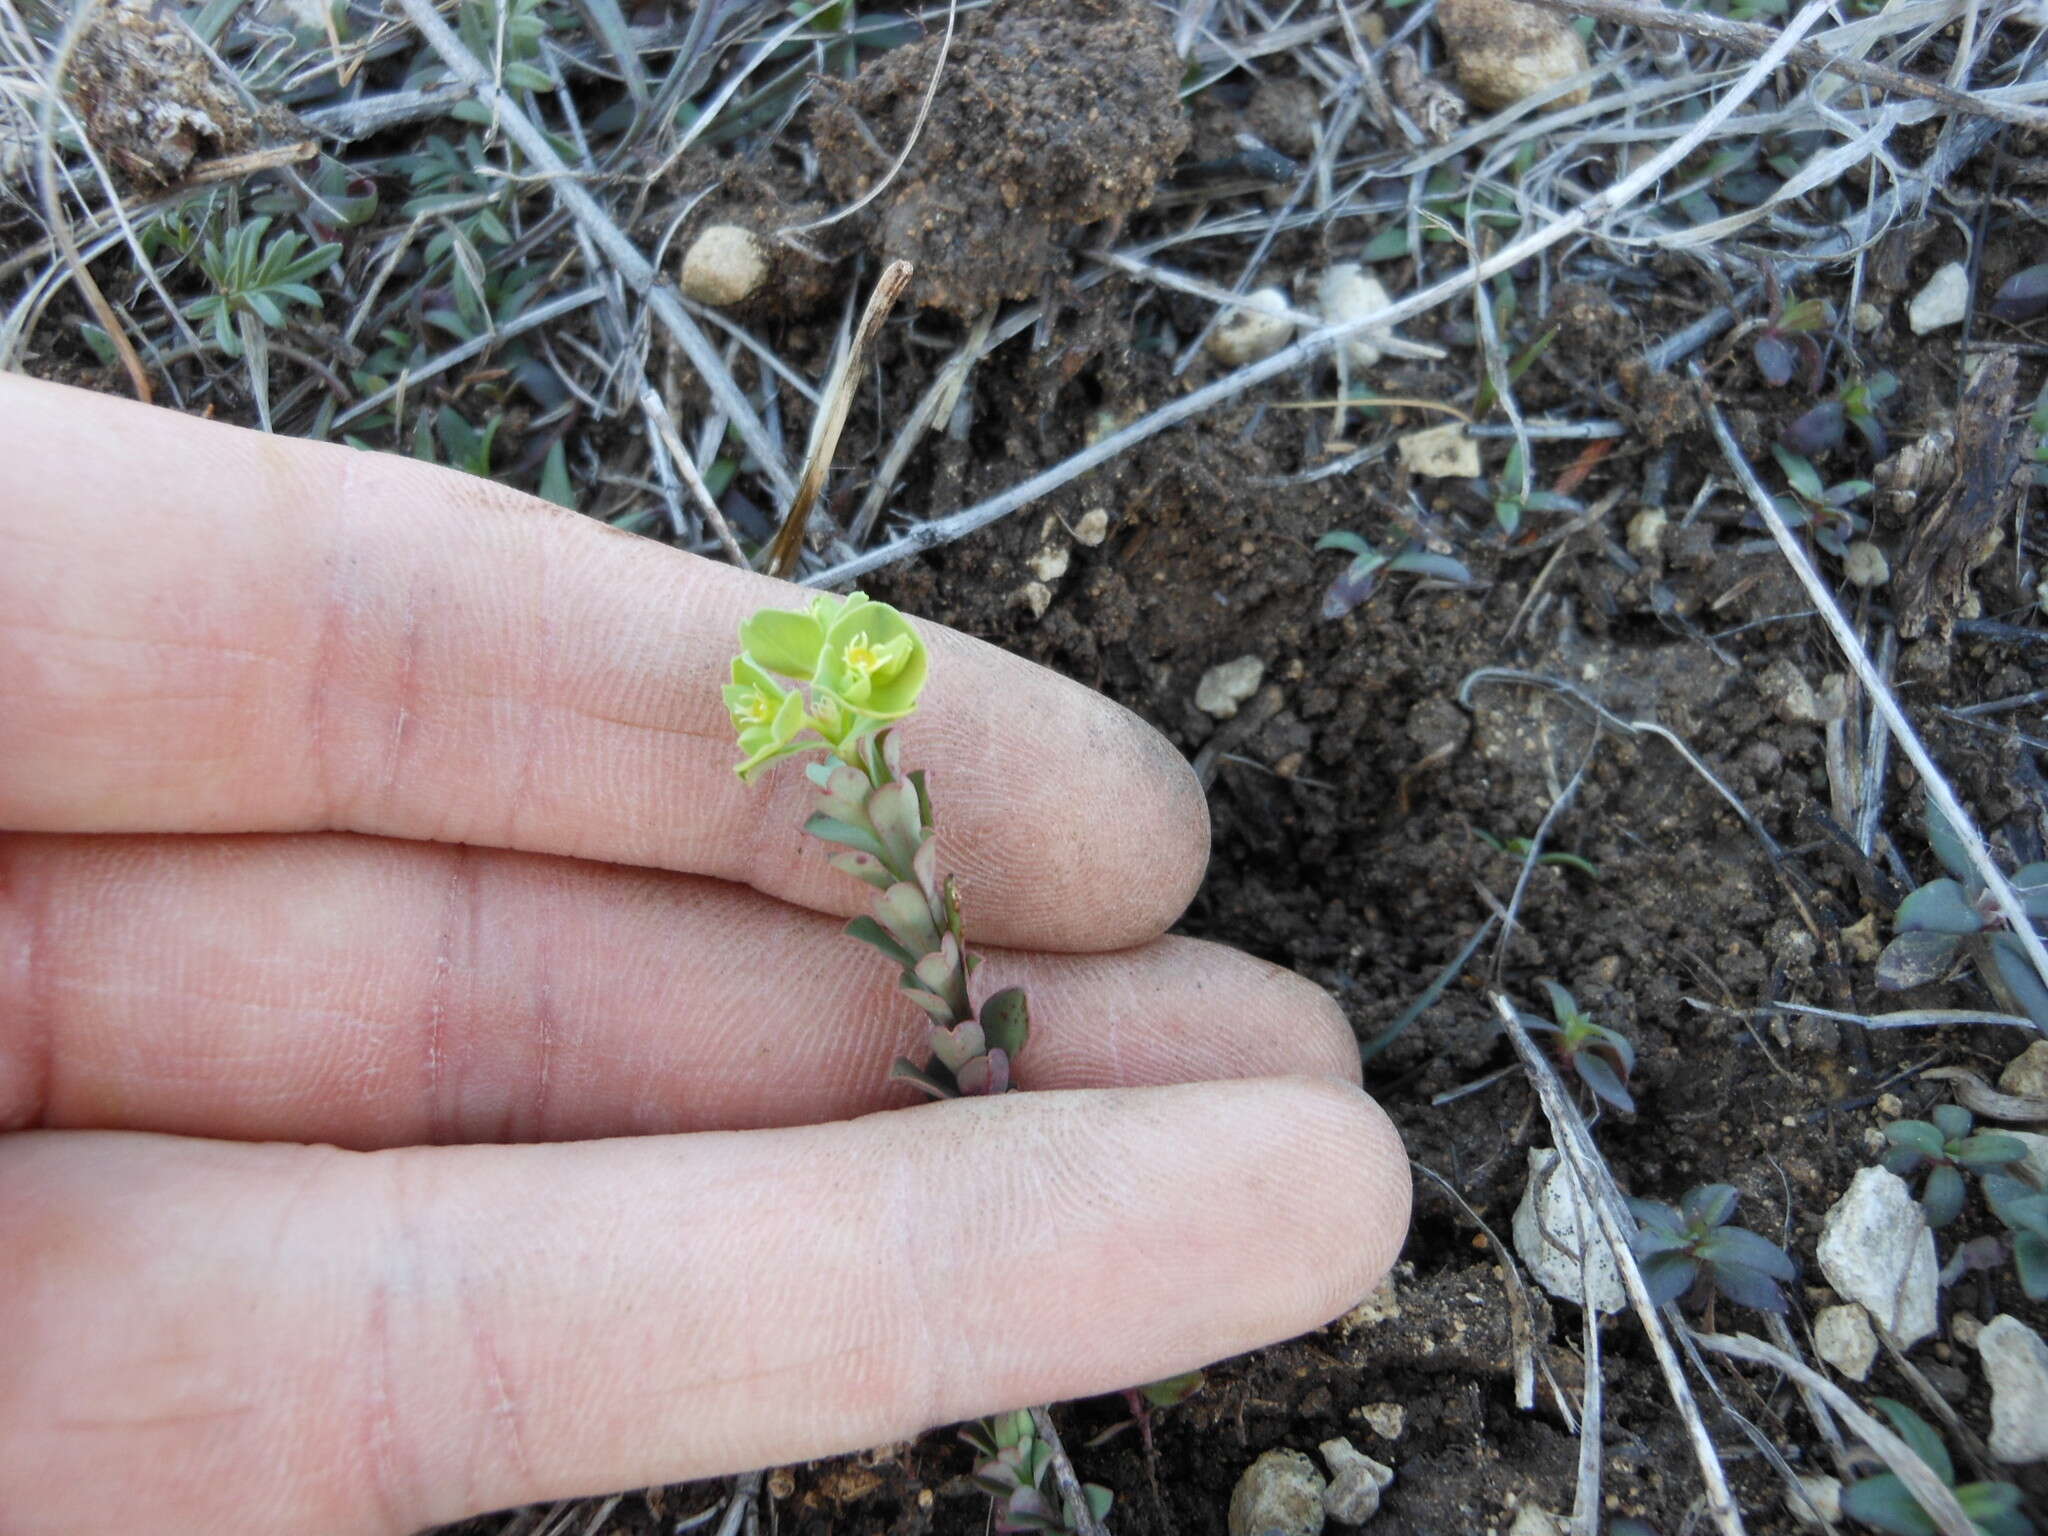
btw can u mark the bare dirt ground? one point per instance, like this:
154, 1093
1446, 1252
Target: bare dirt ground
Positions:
1084, 190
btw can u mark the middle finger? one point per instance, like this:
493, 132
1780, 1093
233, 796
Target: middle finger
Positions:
373, 993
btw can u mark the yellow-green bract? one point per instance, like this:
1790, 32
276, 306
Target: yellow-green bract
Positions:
863, 663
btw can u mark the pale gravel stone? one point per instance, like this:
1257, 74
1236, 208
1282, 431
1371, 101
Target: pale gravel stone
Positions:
1344, 292
2026, 1075
1439, 453
1942, 303
1251, 335
1280, 1494
2016, 1365
1546, 1233
1356, 1482
1875, 1247
1228, 684
1843, 1337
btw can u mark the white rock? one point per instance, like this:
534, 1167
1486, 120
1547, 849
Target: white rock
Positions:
1646, 532
1822, 1504
1386, 1420
1439, 453
1345, 292
2026, 1075
1280, 1494
1875, 1248
1228, 684
2016, 1365
1092, 528
1253, 332
1866, 317
1034, 597
1943, 302
1843, 1337
1535, 1520
1050, 563
1356, 1482
1864, 565
724, 265
1965, 1329
1546, 1231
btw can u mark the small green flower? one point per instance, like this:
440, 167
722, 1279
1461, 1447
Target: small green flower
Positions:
767, 717
872, 662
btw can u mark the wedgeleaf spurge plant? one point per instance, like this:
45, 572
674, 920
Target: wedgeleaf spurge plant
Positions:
1947, 1146
1691, 1250
1602, 1057
837, 678
1884, 1501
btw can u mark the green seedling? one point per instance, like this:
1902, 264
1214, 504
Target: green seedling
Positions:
1011, 1465
2037, 426
466, 447
1947, 1146
837, 679
1690, 1251
1954, 921
1816, 504
1784, 342
1854, 405
2024, 1211
1885, 1502
1363, 574
1519, 847
254, 282
1602, 1057
1512, 496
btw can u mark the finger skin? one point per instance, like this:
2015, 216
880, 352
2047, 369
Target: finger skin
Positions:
373, 993
204, 629
297, 1339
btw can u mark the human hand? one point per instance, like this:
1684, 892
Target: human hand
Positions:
367, 818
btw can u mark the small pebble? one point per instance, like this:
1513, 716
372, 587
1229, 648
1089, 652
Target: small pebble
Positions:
1034, 596
1280, 1494
1843, 1337
1356, 1482
1345, 292
1250, 335
1942, 303
724, 265
1092, 528
1439, 453
2026, 1075
1646, 532
1821, 1505
1050, 563
2016, 1364
1864, 565
1228, 684
1386, 1420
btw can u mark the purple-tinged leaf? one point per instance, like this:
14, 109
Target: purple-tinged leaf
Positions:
925, 869
1775, 359
2023, 296
892, 810
1739, 1245
1745, 1287
1657, 1216
1599, 1075
1668, 1276
1818, 430
863, 866
1360, 577
956, 1047
1442, 567
1939, 906
939, 1008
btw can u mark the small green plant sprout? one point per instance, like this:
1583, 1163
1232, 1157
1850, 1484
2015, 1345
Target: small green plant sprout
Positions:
2024, 1211
1519, 847
1512, 496
1691, 1252
1952, 921
1602, 1057
1814, 502
253, 282
1363, 574
1885, 1503
1822, 428
1947, 1146
1784, 340
1011, 1464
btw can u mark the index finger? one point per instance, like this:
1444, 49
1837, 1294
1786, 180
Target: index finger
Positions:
204, 629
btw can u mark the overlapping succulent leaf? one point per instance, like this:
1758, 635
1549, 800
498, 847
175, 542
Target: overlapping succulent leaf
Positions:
1011, 1465
1692, 1246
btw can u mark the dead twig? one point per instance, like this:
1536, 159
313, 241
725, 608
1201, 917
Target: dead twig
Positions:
1749, 39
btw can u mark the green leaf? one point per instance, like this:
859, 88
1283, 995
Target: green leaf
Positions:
1988, 1149
1946, 842
2030, 1264
1917, 1136
554, 477
868, 931
1563, 1006
1745, 1287
1920, 1436
1884, 1502
903, 1069
1347, 541
1799, 473
1100, 1498
1710, 1205
2030, 882
1739, 1245
1937, 907
830, 829
2018, 981
1006, 1019
1390, 244
1668, 1276
1598, 1074
1941, 1198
